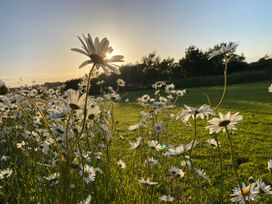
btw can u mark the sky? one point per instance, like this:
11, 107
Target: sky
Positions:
36, 36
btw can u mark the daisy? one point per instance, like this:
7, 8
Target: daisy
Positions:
20, 145
167, 198
202, 173
181, 92
158, 84
158, 127
201, 112
4, 158
155, 145
59, 111
74, 100
97, 51
270, 88
212, 142
147, 181
5, 173
169, 88
88, 173
181, 149
33, 92
250, 193
186, 163
121, 164
120, 82
52, 177
93, 111
87, 200
144, 99
263, 187
269, 165
133, 127
135, 145
224, 121
100, 82
176, 171
224, 49
152, 161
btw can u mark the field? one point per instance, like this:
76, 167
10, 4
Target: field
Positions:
45, 172
252, 141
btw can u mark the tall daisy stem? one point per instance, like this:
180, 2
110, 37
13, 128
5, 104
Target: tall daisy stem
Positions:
85, 108
196, 192
225, 84
221, 169
233, 164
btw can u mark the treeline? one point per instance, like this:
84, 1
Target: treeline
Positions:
194, 64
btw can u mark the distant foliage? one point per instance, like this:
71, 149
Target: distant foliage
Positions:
194, 64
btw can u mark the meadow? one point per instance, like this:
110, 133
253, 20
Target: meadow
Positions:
199, 145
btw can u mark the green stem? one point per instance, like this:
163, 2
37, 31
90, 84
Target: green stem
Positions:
196, 192
225, 85
40, 111
85, 108
221, 170
233, 164
193, 143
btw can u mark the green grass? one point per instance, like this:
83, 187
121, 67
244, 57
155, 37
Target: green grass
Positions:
252, 140
249, 97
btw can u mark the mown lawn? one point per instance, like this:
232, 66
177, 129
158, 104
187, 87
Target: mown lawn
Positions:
252, 140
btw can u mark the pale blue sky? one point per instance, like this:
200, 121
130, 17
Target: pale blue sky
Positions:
36, 36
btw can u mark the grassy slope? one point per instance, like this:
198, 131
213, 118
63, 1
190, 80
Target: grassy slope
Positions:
252, 141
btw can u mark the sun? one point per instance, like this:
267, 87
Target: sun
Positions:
110, 55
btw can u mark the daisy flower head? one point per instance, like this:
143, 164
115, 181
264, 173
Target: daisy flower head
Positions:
135, 145
167, 198
176, 171
74, 100
87, 200
201, 112
152, 161
88, 173
263, 187
181, 149
144, 99
52, 177
147, 181
170, 88
202, 173
225, 48
5, 173
134, 127
181, 92
212, 142
228, 121
270, 88
158, 127
249, 193
121, 164
120, 82
97, 52
158, 84
154, 144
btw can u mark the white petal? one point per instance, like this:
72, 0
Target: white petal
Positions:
85, 63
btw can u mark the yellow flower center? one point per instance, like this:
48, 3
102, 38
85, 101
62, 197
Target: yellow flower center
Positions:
224, 123
245, 192
96, 59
